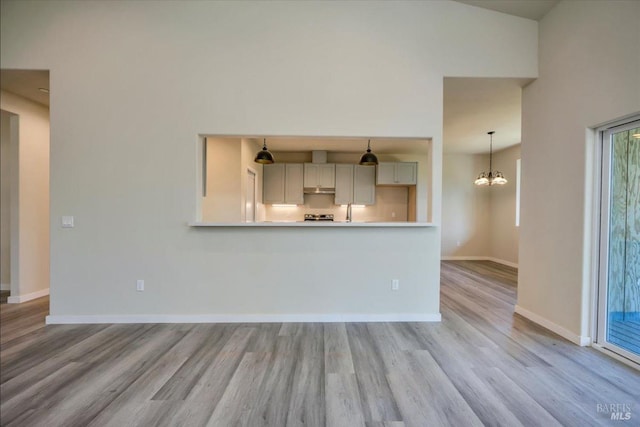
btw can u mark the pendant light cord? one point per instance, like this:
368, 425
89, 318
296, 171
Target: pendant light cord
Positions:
491, 155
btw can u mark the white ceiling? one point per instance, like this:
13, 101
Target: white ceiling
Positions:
530, 9
26, 83
475, 106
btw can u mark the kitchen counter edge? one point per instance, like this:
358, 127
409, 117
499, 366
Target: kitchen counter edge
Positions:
314, 224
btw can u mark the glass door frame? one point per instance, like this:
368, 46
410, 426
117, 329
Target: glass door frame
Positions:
602, 319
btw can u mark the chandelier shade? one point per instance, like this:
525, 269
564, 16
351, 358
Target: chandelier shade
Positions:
490, 178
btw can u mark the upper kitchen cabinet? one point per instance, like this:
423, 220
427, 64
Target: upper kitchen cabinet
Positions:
397, 173
344, 184
283, 183
355, 184
364, 185
319, 175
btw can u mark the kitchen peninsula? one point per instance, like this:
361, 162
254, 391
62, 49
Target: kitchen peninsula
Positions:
317, 177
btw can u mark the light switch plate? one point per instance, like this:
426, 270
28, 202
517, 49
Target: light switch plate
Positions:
67, 222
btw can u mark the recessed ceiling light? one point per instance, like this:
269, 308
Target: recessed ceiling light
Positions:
43, 89
636, 135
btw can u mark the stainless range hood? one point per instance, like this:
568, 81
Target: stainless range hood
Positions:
319, 190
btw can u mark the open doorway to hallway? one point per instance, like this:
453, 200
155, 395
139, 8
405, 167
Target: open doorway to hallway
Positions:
480, 223
24, 179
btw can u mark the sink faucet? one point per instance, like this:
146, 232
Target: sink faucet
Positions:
349, 212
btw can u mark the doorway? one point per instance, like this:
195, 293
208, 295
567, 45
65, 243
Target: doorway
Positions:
8, 161
250, 200
618, 319
25, 256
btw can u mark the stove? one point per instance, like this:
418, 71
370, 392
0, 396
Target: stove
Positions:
318, 217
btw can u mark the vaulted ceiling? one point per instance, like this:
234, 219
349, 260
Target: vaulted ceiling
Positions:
472, 106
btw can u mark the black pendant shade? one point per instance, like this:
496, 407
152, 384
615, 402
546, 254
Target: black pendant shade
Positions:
368, 158
264, 156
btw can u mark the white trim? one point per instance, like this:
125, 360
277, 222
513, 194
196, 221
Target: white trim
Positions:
553, 327
504, 262
242, 318
5, 286
28, 297
518, 175
616, 356
479, 258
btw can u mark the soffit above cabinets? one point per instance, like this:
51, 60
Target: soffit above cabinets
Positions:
350, 145
339, 144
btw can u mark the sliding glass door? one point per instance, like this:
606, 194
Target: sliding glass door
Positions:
619, 293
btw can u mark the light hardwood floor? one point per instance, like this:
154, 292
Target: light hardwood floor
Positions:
482, 365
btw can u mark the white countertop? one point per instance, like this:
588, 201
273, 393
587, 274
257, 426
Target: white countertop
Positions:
312, 224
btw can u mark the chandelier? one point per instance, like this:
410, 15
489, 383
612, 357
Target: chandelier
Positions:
490, 178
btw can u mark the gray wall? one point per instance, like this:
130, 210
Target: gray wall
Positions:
133, 84
479, 221
589, 68
5, 200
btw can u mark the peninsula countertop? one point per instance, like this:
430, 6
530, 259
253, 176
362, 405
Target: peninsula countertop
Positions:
333, 224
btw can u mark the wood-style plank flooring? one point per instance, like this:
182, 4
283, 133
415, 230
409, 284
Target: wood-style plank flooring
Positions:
482, 365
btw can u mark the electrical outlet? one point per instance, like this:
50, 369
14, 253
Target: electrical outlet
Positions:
67, 222
395, 284
140, 285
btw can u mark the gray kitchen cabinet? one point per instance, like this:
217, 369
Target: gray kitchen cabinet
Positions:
355, 184
282, 183
344, 184
364, 185
397, 173
293, 191
319, 175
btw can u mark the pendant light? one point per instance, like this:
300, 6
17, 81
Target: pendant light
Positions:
368, 158
264, 156
490, 178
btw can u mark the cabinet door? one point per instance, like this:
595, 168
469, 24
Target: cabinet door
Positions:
310, 175
321, 175
364, 185
273, 183
386, 173
406, 173
344, 184
327, 175
397, 173
294, 177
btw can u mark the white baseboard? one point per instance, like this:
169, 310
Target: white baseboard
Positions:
243, 318
503, 262
553, 327
479, 258
5, 286
464, 258
27, 297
